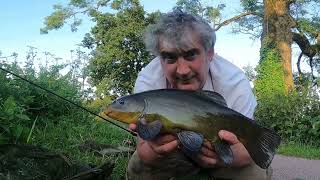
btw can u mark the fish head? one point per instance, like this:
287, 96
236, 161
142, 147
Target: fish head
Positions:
126, 109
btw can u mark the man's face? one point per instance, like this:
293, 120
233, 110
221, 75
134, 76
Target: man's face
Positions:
185, 68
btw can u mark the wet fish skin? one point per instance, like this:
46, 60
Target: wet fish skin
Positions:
203, 112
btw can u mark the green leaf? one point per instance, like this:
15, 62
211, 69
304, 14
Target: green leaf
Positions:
316, 126
79, 3
10, 106
22, 117
17, 131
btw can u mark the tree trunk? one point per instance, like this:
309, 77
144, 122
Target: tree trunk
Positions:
277, 30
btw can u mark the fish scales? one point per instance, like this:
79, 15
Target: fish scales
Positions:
203, 112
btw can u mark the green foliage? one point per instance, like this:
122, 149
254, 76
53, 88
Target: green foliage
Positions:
295, 117
305, 12
13, 117
47, 105
22, 103
31, 115
251, 5
14, 121
68, 136
299, 149
57, 19
79, 3
210, 13
270, 75
192, 6
120, 53
249, 72
116, 40
99, 104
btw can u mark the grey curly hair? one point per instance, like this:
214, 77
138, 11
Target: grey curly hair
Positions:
176, 28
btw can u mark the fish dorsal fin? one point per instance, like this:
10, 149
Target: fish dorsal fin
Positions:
214, 96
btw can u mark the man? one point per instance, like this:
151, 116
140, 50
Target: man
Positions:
183, 44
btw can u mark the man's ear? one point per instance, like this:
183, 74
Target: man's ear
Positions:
210, 54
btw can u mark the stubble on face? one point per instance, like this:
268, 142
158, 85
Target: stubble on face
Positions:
193, 73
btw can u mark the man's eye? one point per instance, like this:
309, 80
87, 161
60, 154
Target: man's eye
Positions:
169, 58
190, 55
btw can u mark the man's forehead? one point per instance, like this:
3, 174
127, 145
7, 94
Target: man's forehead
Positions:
185, 43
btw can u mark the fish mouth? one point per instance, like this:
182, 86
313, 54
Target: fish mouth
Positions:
107, 112
110, 113
125, 117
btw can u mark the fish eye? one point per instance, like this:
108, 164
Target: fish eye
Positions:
121, 101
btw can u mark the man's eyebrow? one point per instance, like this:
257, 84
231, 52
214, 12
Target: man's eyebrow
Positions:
196, 50
162, 53
174, 52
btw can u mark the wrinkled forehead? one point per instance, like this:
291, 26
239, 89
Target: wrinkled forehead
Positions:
180, 42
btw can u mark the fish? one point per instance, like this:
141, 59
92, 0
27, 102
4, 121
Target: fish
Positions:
194, 116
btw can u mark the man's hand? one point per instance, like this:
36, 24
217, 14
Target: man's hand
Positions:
151, 150
208, 157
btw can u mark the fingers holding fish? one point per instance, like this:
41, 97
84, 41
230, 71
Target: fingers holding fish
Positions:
133, 127
228, 136
207, 144
207, 157
208, 160
208, 152
153, 149
164, 144
146, 152
163, 139
241, 155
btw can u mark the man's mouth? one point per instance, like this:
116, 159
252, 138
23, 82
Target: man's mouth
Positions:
186, 80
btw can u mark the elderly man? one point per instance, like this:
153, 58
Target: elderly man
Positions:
183, 44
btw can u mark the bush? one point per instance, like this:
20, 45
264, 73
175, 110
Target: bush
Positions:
295, 117
15, 124
21, 103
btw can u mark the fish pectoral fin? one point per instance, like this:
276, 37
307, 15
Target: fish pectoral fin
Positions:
223, 149
191, 142
149, 130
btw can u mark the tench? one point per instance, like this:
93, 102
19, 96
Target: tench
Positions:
194, 116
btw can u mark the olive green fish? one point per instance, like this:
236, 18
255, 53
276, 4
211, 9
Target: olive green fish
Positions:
194, 116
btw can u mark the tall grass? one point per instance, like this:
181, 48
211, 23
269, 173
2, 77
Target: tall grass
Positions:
68, 136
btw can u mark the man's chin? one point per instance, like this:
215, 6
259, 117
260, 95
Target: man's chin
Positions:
187, 87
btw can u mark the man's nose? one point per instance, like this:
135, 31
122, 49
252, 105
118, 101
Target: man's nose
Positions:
182, 66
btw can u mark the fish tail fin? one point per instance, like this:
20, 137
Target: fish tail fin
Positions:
262, 150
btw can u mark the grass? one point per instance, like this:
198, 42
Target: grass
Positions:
297, 149
66, 136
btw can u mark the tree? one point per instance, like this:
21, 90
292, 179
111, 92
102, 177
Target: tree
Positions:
279, 24
249, 72
118, 52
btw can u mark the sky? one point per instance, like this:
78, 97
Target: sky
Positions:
21, 22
